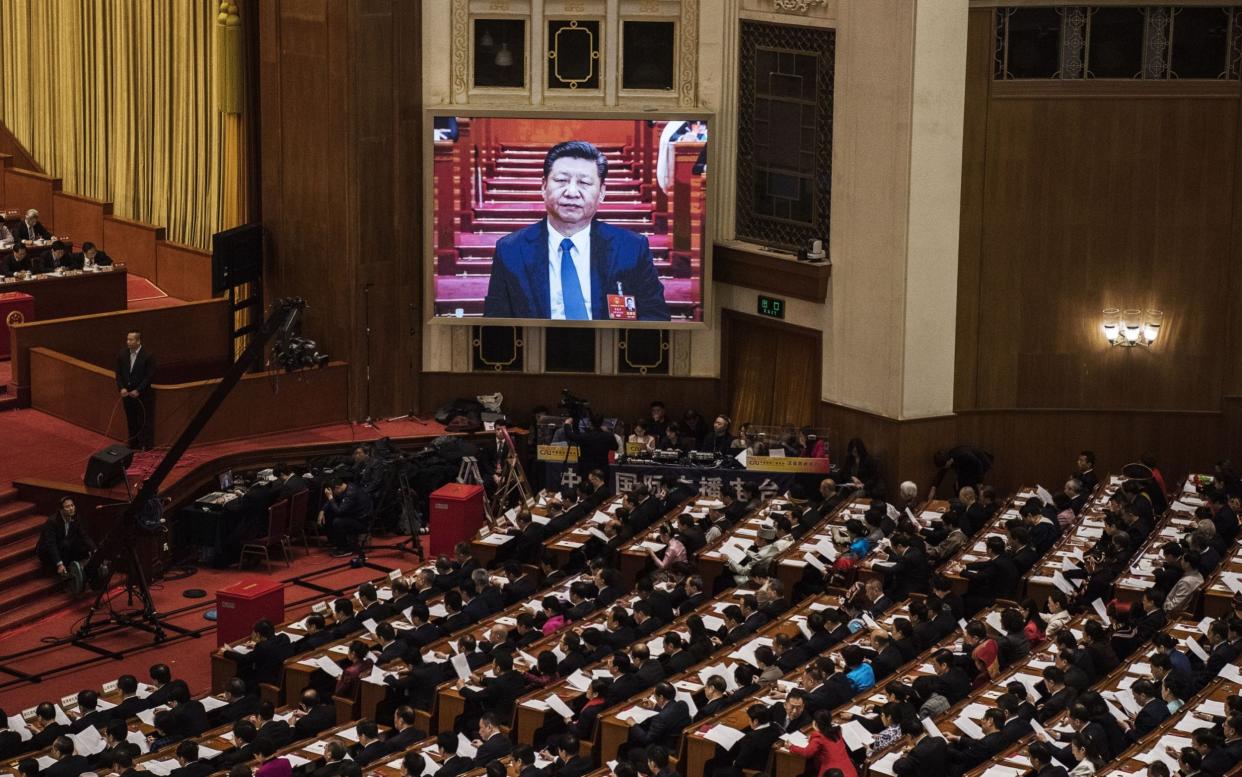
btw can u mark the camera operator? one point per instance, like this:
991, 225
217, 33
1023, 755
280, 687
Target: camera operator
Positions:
593, 444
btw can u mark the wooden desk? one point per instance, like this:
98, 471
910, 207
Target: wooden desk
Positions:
449, 702
789, 765
74, 294
224, 667
633, 559
976, 550
790, 565
531, 711
1073, 544
1136, 667
615, 730
1178, 521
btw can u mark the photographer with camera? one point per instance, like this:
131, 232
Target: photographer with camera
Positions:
594, 445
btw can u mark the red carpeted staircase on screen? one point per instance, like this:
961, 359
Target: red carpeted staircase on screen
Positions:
26, 594
511, 199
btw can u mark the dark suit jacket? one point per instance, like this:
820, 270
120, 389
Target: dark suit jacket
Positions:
76, 261
323, 716
38, 232
195, 769
331, 769
1152, 715
929, 756
54, 541
191, 718
139, 378
497, 747
278, 731
754, 748
47, 736
10, 744
47, 262
574, 767
69, 766
455, 766
665, 728
498, 692
519, 285
373, 751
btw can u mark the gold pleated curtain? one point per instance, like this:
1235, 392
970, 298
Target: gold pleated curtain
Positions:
116, 98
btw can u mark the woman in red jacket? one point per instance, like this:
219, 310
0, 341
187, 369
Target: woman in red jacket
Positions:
826, 749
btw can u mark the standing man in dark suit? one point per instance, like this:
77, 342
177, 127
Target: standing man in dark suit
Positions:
566, 266
135, 367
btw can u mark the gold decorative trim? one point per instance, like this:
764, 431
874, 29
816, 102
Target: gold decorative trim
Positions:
459, 46
688, 54
476, 344
798, 6
554, 54
623, 346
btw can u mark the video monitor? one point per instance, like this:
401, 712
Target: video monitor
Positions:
548, 219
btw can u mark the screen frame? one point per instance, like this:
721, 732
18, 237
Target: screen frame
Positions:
468, 111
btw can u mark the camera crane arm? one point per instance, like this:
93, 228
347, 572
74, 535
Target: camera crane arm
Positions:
118, 545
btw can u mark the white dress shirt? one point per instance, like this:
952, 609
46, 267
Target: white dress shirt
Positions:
133, 357
581, 254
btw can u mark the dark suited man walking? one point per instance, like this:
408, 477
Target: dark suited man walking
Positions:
135, 367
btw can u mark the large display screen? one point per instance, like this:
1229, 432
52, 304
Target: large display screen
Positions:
582, 221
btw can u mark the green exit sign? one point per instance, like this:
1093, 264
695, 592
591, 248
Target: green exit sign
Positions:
771, 307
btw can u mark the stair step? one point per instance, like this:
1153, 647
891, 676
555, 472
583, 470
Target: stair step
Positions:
7, 402
19, 539
15, 510
31, 601
7, 494
21, 572
529, 181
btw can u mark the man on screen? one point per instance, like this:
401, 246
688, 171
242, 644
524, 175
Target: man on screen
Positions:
565, 266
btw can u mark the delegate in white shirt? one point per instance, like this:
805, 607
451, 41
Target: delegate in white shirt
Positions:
581, 254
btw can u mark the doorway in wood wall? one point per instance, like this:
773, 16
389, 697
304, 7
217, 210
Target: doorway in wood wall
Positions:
771, 370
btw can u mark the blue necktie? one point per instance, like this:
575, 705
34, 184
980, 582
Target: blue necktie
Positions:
571, 290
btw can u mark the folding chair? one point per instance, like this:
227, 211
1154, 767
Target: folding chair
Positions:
277, 535
298, 508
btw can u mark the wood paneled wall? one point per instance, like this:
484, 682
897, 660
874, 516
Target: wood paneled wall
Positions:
1079, 196
340, 148
1039, 445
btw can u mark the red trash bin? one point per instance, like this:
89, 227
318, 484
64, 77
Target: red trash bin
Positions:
242, 604
456, 515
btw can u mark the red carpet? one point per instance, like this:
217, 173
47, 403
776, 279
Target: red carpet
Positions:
71, 668
37, 445
143, 294
63, 449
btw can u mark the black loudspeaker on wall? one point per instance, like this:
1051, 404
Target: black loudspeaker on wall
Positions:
107, 467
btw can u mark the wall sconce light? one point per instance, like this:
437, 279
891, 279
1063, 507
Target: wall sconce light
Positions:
1132, 326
